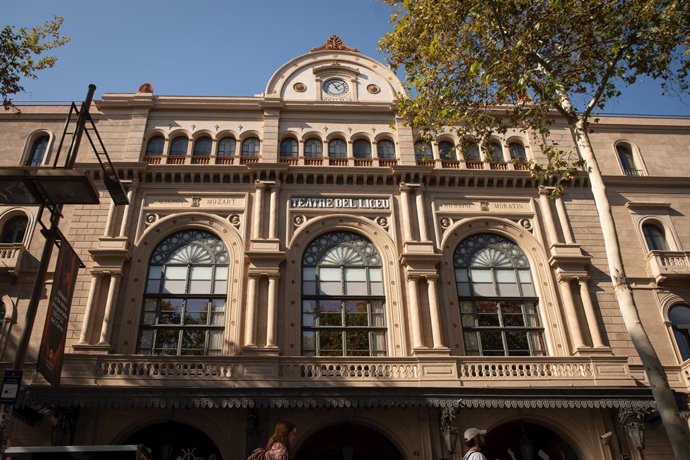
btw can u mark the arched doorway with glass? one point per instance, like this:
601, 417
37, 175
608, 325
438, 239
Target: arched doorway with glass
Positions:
347, 441
175, 441
526, 440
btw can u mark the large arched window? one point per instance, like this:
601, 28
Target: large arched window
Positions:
627, 159
422, 151
337, 148
202, 146
226, 147
186, 296
446, 150
13, 229
654, 236
517, 151
495, 151
313, 148
343, 302
498, 303
679, 315
250, 147
385, 149
470, 151
288, 147
38, 151
361, 148
155, 146
178, 146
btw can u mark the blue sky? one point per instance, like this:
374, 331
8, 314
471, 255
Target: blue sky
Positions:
216, 47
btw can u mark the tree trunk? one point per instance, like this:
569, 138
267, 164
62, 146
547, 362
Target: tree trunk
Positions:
676, 426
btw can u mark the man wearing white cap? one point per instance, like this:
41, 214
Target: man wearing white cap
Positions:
474, 439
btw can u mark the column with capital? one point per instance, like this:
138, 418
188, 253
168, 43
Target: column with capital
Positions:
272, 313
86, 325
592, 323
258, 206
419, 199
545, 206
251, 312
571, 313
107, 325
434, 311
413, 308
405, 210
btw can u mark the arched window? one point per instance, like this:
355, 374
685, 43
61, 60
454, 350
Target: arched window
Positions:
178, 146
361, 148
446, 150
250, 147
186, 296
14, 229
288, 147
385, 149
337, 148
654, 236
226, 147
202, 146
313, 148
495, 151
498, 303
155, 146
422, 151
343, 302
627, 159
470, 151
37, 155
679, 315
517, 151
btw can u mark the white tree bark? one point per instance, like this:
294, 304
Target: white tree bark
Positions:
676, 427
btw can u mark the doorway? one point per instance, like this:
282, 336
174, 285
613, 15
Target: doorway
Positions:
173, 441
348, 441
521, 440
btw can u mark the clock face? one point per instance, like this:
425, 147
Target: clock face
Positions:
336, 87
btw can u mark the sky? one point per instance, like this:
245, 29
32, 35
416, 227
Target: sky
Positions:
218, 47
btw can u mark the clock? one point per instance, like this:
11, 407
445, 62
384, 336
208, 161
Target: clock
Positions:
336, 87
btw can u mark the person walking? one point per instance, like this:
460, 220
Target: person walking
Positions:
474, 439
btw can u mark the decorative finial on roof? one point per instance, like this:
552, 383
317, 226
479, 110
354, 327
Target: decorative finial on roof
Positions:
145, 88
334, 43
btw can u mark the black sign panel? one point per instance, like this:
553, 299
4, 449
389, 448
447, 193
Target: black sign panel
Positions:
57, 318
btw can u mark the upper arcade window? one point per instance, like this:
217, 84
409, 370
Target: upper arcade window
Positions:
202, 146
385, 149
313, 148
289, 147
498, 302
250, 147
155, 146
186, 295
679, 316
226, 147
446, 150
422, 151
343, 302
495, 151
470, 151
37, 155
337, 148
178, 146
361, 148
654, 236
517, 152
14, 229
627, 159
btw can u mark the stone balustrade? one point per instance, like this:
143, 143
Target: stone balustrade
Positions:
11, 257
422, 371
666, 266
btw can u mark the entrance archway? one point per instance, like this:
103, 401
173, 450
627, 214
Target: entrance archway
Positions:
172, 441
347, 441
527, 441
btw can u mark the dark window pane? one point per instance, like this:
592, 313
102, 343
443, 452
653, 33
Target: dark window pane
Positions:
361, 148
446, 150
337, 148
385, 149
517, 151
226, 147
178, 146
288, 147
14, 229
330, 343
38, 151
357, 343
250, 147
422, 151
155, 146
313, 148
655, 237
202, 146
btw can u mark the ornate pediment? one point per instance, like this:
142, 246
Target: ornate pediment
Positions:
334, 43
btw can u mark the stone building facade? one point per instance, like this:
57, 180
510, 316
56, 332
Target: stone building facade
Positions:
301, 254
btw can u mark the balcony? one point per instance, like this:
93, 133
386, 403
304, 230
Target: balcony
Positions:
668, 266
11, 257
272, 371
